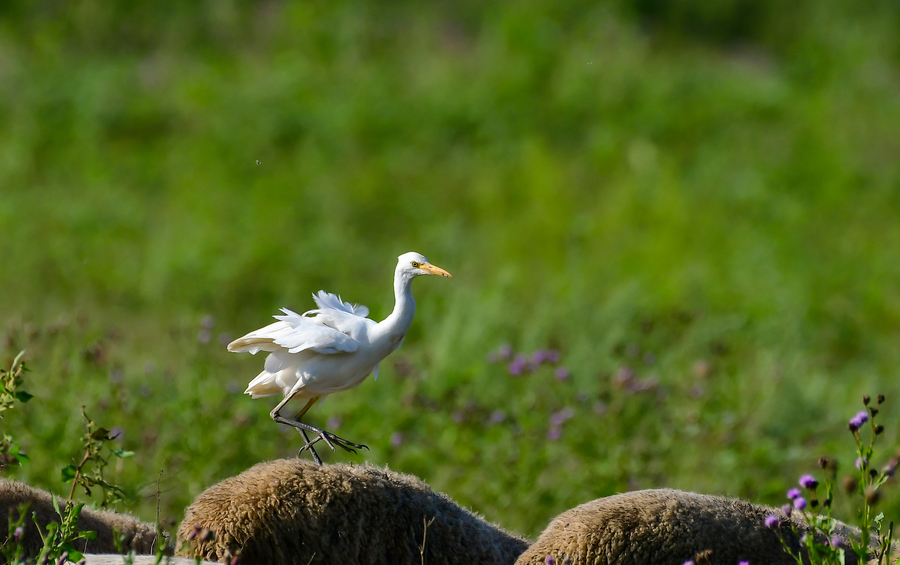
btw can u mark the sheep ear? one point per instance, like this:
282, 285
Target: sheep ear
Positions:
375, 372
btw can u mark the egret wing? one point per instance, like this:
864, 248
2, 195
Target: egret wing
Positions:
296, 333
327, 301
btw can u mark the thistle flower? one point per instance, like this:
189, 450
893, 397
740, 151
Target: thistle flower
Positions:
549, 560
772, 521
836, 541
793, 493
786, 509
808, 482
861, 461
800, 503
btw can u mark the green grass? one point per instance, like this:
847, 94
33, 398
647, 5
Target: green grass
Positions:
612, 181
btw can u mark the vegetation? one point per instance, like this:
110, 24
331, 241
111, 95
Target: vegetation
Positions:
695, 204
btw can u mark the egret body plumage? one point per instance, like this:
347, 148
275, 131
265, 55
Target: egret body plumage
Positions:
331, 348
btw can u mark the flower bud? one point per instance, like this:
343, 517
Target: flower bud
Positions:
848, 484
872, 496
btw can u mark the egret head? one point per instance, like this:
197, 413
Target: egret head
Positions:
414, 264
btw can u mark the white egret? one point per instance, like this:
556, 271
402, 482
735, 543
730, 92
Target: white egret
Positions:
330, 349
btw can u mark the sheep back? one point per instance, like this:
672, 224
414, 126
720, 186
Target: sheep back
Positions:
291, 511
139, 536
669, 527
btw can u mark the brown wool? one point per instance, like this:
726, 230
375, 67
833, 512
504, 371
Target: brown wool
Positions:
292, 511
139, 535
669, 527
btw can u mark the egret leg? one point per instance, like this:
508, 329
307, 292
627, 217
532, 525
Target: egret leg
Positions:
329, 438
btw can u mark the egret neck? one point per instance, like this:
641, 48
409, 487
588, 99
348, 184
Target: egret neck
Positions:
395, 326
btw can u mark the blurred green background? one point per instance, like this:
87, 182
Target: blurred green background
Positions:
696, 203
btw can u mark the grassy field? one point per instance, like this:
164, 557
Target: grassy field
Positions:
698, 207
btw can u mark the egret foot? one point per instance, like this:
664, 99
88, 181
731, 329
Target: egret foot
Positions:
328, 437
309, 445
333, 440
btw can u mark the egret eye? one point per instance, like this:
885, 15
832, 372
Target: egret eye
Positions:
415, 264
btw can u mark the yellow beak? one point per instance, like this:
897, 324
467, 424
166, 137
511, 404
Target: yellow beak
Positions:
433, 270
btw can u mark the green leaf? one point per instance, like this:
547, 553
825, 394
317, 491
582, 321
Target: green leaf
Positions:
879, 518
23, 396
69, 472
122, 453
100, 434
75, 556
89, 534
21, 458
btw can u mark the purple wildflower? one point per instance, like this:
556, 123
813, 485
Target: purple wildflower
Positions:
793, 493
772, 521
559, 418
396, 439
808, 482
518, 365
549, 560
545, 356
786, 509
857, 421
17, 534
800, 503
503, 353
891, 467
836, 541
561, 373
554, 433
743, 563
861, 462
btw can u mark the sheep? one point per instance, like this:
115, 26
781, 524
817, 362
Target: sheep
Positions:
139, 536
111, 559
669, 527
290, 511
